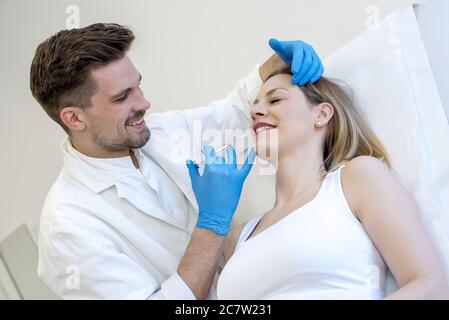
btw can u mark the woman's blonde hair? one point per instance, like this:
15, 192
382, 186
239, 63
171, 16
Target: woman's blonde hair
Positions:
348, 135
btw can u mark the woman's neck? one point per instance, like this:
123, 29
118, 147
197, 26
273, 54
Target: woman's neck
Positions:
297, 171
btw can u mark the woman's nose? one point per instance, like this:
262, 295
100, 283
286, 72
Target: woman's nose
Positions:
258, 110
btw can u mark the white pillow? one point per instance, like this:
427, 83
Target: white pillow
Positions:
388, 69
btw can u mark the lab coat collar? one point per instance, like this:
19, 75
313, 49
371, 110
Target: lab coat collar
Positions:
158, 150
107, 171
99, 174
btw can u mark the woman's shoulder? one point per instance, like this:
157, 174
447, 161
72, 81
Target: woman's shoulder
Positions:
364, 170
360, 176
362, 163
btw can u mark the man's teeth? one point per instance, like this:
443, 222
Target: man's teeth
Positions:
263, 129
135, 123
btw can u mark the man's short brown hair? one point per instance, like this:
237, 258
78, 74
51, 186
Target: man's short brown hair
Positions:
60, 71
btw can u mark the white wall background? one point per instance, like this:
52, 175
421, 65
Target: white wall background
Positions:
189, 53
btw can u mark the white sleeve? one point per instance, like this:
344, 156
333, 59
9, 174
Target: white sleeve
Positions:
244, 94
228, 114
231, 112
86, 264
174, 288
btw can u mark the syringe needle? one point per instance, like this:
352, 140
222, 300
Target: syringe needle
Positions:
234, 142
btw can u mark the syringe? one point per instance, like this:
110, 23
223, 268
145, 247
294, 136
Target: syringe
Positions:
233, 144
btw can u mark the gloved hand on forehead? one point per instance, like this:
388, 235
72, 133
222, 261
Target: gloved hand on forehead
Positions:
305, 64
218, 190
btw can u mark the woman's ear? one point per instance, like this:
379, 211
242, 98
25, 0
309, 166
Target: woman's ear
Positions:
324, 113
73, 118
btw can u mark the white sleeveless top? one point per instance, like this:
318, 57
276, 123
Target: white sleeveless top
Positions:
318, 251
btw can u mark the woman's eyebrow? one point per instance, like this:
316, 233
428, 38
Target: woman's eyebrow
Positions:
271, 92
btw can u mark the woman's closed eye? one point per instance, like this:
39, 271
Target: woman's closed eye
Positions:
275, 100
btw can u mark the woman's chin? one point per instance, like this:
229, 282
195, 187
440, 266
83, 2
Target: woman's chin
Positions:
266, 152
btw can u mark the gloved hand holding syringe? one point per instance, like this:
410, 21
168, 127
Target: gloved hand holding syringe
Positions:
246, 139
218, 189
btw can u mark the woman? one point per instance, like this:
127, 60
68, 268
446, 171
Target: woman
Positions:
340, 217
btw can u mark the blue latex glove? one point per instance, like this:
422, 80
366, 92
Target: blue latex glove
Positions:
305, 64
218, 190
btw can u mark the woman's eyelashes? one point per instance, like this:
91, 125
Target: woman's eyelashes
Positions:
275, 100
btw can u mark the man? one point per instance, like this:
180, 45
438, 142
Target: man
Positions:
121, 221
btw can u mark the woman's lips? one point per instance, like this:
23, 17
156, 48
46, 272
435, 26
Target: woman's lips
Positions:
261, 129
263, 126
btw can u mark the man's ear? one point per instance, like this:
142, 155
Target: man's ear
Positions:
73, 118
324, 114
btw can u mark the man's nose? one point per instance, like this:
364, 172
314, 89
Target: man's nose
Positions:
146, 104
142, 104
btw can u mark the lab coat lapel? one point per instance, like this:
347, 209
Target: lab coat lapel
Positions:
143, 203
138, 196
159, 150
140, 239
179, 174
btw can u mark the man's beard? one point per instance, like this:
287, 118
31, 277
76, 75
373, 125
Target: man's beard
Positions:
122, 141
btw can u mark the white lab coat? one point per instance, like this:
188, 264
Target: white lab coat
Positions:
111, 231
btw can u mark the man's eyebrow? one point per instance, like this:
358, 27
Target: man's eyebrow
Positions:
124, 92
271, 92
